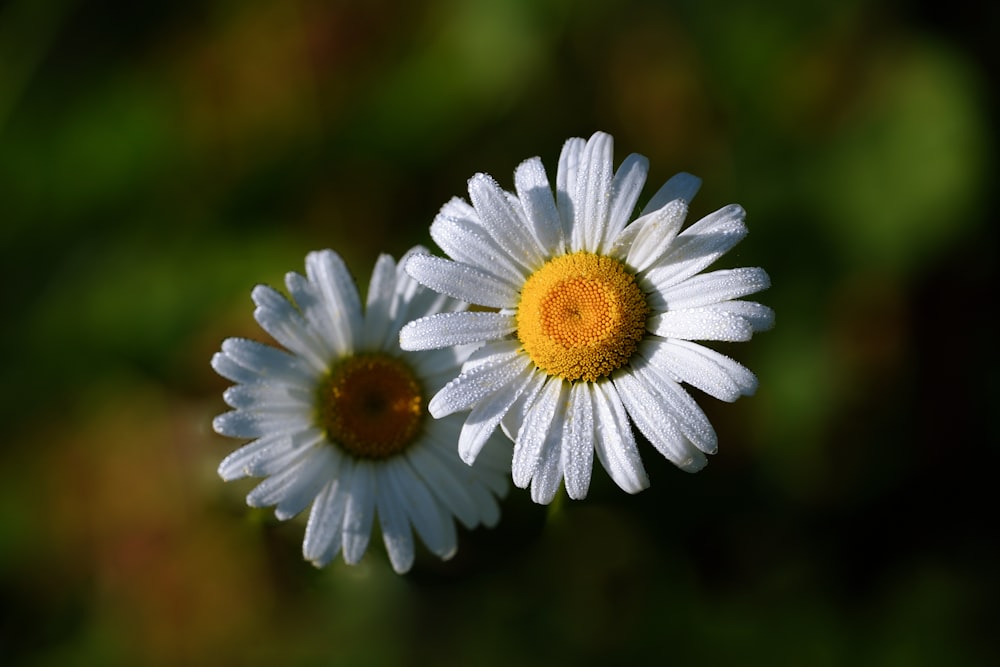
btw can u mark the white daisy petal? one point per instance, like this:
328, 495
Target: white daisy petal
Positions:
654, 420
278, 398
379, 305
235, 465
577, 455
689, 417
328, 273
448, 329
511, 422
273, 460
324, 530
487, 469
359, 512
699, 246
654, 233
592, 197
566, 178
438, 367
488, 412
390, 505
625, 190
715, 374
316, 472
701, 324
476, 385
614, 442
434, 469
461, 281
434, 527
411, 296
549, 473
502, 222
681, 186
309, 301
277, 317
708, 288
491, 352
337, 419
533, 189
760, 317
538, 424
493, 464
277, 487
259, 362
240, 424
459, 232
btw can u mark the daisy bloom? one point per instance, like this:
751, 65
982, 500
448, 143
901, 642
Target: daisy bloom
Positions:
591, 318
338, 417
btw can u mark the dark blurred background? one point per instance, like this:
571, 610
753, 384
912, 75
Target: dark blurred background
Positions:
157, 159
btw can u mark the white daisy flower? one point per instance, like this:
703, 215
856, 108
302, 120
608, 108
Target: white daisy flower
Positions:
338, 420
593, 318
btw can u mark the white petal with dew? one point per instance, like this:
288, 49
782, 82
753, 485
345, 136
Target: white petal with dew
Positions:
269, 397
593, 194
234, 466
309, 302
577, 451
277, 317
448, 329
434, 526
653, 235
715, 374
535, 193
324, 530
461, 281
686, 412
359, 513
647, 411
475, 480
274, 489
625, 190
538, 423
487, 413
276, 459
760, 317
319, 469
680, 186
566, 178
441, 480
699, 246
328, 273
464, 239
474, 386
614, 442
708, 288
410, 296
504, 223
700, 324
393, 520
379, 305
243, 424
260, 362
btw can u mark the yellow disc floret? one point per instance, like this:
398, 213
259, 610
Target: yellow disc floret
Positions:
581, 316
371, 406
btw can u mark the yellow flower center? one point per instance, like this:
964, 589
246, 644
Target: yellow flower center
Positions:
581, 316
371, 406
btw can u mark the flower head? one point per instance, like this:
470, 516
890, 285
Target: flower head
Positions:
338, 417
592, 318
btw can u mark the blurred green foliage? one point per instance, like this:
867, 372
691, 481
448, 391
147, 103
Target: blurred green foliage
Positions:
158, 159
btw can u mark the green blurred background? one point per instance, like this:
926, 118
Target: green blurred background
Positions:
157, 159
